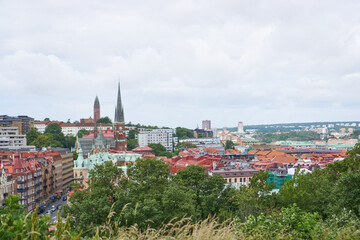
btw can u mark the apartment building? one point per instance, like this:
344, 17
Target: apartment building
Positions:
67, 163
22, 123
6, 184
9, 136
235, 176
163, 136
25, 173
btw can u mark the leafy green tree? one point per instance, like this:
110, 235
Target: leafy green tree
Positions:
345, 194
157, 148
90, 208
291, 221
53, 128
132, 134
46, 140
132, 143
206, 190
47, 119
355, 134
32, 135
70, 141
150, 173
309, 191
229, 145
14, 224
183, 133
106, 120
166, 154
82, 132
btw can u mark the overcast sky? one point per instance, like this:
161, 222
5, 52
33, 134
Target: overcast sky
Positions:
181, 62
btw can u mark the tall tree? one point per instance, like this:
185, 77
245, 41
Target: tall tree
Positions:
229, 145
183, 133
132, 143
53, 128
32, 135
157, 148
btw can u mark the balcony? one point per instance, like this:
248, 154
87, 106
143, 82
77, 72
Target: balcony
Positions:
23, 197
45, 187
22, 189
38, 192
22, 181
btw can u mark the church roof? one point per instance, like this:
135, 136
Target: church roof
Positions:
119, 110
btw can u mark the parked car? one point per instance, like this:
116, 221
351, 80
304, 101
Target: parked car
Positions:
47, 212
65, 198
58, 207
53, 208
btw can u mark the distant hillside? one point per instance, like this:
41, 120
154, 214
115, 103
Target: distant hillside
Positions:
286, 127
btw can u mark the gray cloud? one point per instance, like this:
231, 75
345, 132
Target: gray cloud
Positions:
182, 61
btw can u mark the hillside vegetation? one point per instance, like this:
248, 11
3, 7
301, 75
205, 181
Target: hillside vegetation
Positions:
152, 204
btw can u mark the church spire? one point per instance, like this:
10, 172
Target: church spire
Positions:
96, 114
119, 111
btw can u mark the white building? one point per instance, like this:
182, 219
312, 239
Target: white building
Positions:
240, 127
163, 136
9, 136
70, 129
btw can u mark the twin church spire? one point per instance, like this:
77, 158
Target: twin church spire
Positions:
119, 122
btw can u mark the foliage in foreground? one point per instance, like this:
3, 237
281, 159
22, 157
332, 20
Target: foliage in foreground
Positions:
152, 204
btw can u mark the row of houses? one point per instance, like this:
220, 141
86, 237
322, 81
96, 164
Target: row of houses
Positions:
37, 177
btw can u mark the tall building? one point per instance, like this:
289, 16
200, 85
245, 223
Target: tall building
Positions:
119, 125
23, 123
240, 127
96, 115
206, 124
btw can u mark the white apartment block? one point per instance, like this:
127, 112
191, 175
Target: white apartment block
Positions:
163, 136
9, 136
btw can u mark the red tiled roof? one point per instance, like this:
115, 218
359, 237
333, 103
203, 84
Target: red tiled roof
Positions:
142, 149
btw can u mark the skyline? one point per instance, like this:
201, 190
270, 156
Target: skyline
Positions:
182, 62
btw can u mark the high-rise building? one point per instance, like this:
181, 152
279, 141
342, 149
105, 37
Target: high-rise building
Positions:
119, 125
206, 124
96, 115
240, 127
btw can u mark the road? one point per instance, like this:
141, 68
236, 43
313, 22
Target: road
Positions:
53, 215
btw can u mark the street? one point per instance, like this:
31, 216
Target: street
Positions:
53, 215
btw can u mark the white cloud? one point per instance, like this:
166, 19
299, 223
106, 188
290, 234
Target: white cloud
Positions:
182, 61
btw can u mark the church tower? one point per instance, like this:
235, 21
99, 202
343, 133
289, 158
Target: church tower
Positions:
96, 115
119, 125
